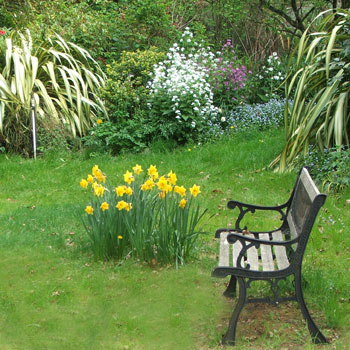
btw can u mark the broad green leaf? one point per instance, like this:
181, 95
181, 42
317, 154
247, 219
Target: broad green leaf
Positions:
330, 46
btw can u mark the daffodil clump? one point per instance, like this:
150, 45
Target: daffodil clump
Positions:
148, 216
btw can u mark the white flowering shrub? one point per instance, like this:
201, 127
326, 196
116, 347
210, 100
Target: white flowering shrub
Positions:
270, 78
181, 97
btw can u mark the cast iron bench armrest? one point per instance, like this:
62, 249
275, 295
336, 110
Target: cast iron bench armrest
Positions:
244, 208
232, 204
233, 237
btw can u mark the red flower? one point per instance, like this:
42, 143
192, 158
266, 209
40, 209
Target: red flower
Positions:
2, 32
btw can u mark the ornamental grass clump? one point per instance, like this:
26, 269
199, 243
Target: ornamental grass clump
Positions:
60, 78
148, 217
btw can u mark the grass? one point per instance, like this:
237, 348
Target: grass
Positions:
53, 295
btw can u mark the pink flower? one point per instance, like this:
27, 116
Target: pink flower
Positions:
2, 32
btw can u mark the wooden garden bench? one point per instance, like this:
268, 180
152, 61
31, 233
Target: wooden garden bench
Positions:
249, 256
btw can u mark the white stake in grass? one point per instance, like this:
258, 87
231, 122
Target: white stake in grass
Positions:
34, 126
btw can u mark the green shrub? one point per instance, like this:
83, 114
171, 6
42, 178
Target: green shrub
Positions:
148, 217
125, 96
329, 168
125, 92
105, 28
114, 138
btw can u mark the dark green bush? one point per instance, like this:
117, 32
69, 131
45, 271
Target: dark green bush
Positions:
330, 169
125, 96
108, 137
105, 28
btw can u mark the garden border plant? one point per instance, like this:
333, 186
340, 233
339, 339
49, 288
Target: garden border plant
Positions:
61, 77
318, 82
181, 97
150, 217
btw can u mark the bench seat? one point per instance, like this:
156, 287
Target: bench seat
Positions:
265, 259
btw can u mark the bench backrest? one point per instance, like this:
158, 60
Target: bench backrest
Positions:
305, 203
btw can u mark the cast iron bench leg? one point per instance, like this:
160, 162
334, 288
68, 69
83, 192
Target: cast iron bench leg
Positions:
317, 336
230, 291
230, 336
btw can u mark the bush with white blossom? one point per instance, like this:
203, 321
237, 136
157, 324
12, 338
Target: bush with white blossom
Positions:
181, 97
270, 78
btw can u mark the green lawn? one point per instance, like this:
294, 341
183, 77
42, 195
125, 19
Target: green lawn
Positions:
53, 295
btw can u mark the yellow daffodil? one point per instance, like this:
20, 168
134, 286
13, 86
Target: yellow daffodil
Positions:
128, 206
152, 172
137, 169
128, 177
195, 190
128, 191
104, 206
120, 237
148, 185
90, 179
121, 205
99, 190
162, 183
120, 190
94, 170
84, 183
182, 203
89, 209
99, 121
162, 194
168, 188
100, 177
172, 178
180, 190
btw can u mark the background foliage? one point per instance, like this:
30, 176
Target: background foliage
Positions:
261, 34
318, 83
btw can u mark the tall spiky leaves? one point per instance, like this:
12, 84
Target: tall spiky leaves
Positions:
61, 76
318, 84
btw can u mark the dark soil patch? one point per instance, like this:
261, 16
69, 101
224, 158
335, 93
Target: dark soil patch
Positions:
264, 326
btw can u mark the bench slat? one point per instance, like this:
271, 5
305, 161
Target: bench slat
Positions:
236, 248
224, 257
253, 256
292, 228
309, 185
280, 251
266, 254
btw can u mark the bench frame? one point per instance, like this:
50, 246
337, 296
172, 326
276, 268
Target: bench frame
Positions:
298, 215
